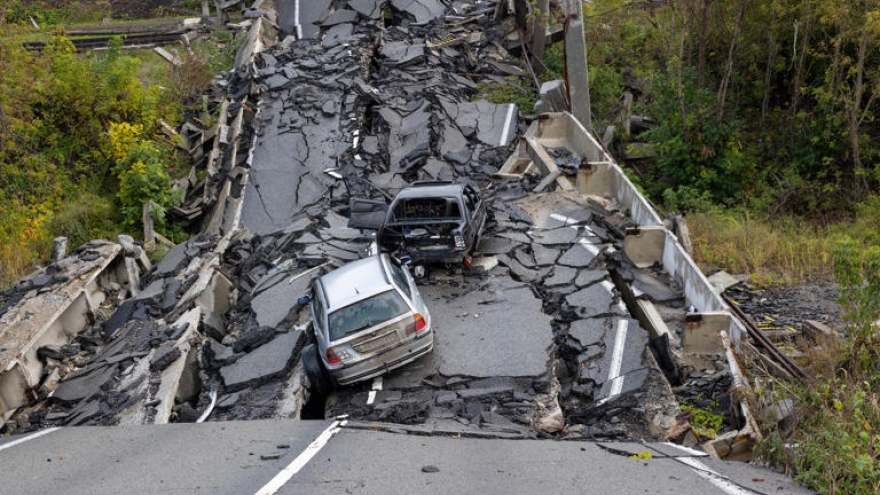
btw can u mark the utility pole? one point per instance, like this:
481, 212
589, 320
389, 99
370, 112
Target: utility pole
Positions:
576, 63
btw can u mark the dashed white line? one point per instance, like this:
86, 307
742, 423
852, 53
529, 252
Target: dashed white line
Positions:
589, 246
301, 460
713, 477
28, 438
371, 397
506, 131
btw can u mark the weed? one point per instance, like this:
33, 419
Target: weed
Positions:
836, 446
646, 454
513, 90
705, 422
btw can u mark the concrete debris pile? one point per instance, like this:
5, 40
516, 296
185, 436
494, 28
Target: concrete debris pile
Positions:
133, 366
784, 313
249, 353
605, 366
373, 98
47, 319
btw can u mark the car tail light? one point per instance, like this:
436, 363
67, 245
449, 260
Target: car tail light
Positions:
332, 358
418, 325
459, 242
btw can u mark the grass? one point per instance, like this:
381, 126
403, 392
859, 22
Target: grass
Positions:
739, 242
787, 250
834, 444
514, 90
832, 441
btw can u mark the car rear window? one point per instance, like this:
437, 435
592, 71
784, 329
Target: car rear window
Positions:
365, 314
426, 208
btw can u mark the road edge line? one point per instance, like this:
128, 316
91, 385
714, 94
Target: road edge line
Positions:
30, 437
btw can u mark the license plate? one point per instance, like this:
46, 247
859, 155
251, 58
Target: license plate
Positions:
375, 344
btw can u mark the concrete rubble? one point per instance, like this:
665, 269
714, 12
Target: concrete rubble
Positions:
546, 335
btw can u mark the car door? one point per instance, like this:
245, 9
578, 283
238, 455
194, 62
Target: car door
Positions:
367, 213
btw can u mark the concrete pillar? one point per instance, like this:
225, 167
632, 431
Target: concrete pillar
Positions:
206, 11
644, 246
576, 64
702, 331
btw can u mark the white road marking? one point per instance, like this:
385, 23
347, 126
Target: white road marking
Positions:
506, 131
617, 361
566, 220
686, 450
299, 30
377, 385
27, 438
589, 245
583, 242
301, 460
713, 477
236, 218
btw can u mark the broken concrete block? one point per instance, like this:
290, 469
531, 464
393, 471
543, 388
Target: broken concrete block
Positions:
593, 301
253, 338
84, 385
268, 361
163, 356
213, 325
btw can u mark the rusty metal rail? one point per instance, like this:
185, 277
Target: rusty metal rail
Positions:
128, 41
762, 340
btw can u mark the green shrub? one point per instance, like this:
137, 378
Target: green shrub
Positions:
143, 177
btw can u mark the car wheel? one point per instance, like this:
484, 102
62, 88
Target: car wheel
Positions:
322, 382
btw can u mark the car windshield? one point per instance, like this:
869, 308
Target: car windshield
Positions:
365, 314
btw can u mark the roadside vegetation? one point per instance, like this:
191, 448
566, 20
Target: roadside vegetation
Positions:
81, 145
765, 136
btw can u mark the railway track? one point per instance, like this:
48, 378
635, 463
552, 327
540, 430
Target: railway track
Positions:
146, 40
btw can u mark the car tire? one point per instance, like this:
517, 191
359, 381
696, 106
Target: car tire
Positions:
322, 382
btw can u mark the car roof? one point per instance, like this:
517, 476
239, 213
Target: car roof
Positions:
428, 189
355, 281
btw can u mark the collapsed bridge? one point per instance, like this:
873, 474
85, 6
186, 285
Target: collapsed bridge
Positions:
574, 322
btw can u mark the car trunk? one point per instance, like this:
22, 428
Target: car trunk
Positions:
377, 339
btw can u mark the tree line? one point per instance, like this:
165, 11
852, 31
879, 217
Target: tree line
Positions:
765, 104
